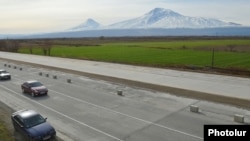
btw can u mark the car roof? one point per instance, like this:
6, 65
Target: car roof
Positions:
31, 81
2, 70
25, 113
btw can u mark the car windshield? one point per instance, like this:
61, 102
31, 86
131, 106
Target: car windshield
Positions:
33, 121
3, 71
35, 84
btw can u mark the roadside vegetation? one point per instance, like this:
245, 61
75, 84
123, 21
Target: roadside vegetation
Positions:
196, 53
6, 129
5, 134
152, 56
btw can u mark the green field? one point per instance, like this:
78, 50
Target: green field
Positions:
229, 53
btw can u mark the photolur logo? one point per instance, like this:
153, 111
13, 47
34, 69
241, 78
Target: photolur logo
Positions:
215, 132
226, 132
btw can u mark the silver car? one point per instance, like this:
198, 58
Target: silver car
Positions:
4, 75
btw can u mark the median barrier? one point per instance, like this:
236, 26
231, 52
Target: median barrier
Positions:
54, 76
239, 118
194, 108
69, 81
119, 92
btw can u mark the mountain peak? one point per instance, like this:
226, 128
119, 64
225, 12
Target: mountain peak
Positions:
88, 24
91, 22
157, 10
157, 14
162, 11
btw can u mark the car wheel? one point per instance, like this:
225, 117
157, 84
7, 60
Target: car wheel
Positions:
15, 128
30, 138
23, 90
32, 94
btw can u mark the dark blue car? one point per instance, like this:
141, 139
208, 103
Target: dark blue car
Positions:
32, 125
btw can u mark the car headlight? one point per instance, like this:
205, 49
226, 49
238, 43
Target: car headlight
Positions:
52, 132
37, 138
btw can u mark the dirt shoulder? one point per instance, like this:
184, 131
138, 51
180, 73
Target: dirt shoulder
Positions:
5, 113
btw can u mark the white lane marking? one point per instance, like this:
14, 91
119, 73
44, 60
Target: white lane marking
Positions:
82, 123
145, 121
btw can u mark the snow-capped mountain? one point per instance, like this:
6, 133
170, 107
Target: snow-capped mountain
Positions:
157, 22
89, 24
158, 18
164, 18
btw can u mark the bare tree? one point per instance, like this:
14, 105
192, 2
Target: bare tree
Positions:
31, 49
46, 47
231, 47
16, 46
9, 45
2, 45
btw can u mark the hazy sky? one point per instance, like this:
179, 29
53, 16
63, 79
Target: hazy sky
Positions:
33, 16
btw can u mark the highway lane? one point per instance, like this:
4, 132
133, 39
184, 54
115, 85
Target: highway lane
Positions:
89, 109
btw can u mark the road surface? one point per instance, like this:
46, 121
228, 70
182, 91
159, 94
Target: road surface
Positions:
90, 109
219, 88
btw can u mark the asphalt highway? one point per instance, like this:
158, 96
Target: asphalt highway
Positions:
89, 109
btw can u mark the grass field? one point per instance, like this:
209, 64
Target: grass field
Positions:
229, 53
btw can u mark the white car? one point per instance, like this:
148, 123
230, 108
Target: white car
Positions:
4, 75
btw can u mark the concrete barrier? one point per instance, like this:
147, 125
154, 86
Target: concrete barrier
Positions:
54, 76
239, 118
119, 92
69, 81
194, 108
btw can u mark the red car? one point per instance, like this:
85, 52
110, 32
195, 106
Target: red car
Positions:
34, 88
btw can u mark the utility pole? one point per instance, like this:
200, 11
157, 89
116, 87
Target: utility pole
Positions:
212, 65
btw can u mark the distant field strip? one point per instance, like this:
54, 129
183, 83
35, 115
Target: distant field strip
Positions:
228, 53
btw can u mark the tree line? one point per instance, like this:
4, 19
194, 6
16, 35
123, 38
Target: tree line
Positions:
11, 45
